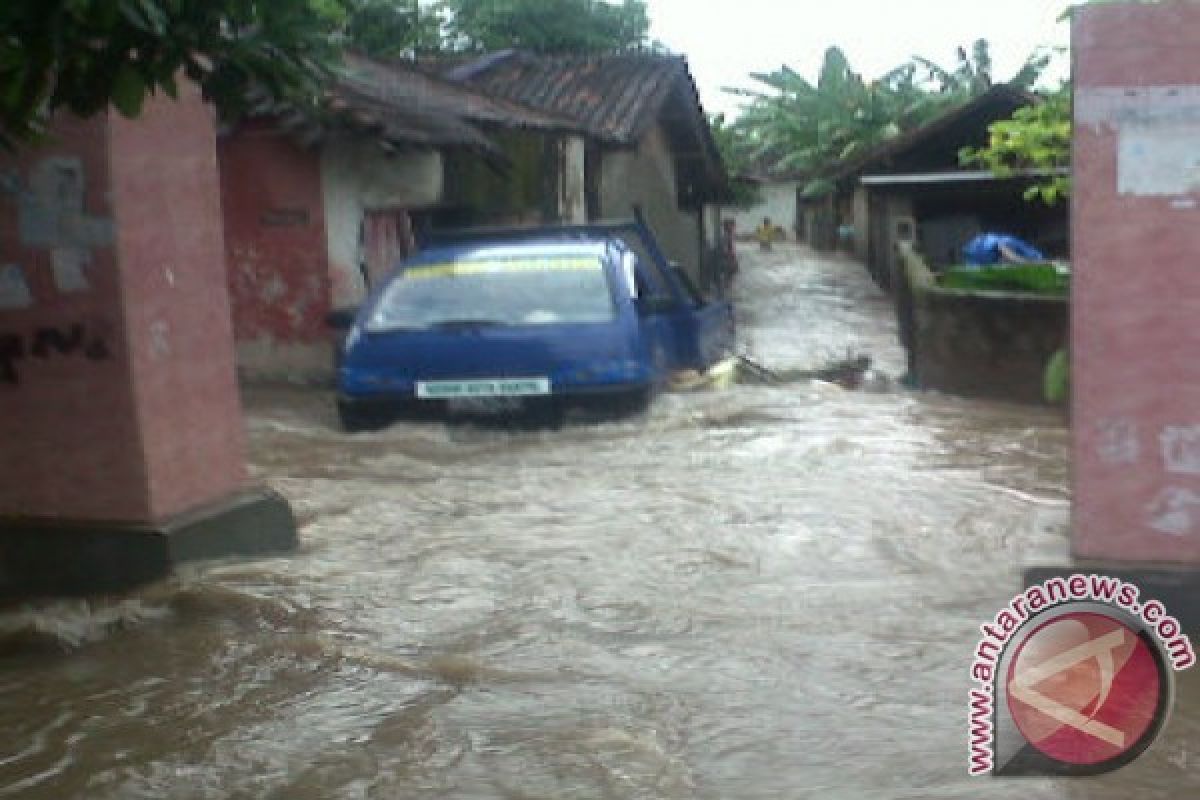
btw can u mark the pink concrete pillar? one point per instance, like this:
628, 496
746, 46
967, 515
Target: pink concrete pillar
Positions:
1136, 296
119, 409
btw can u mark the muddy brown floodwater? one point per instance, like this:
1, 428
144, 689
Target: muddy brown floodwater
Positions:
758, 593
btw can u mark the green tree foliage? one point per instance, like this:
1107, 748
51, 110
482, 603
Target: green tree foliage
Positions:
728, 141
1056, 378
83, 55
392, 28
793, 126
1037, 137
971, 75
547, 26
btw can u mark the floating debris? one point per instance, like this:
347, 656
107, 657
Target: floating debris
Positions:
847, 373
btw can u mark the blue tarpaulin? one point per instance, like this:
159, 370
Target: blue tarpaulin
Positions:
989, 249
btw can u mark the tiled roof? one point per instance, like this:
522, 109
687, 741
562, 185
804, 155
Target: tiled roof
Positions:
407, 107
615, 97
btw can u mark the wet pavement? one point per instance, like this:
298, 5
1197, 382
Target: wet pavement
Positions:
768, 592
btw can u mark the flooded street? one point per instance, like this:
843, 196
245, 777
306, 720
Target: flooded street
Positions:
768, 592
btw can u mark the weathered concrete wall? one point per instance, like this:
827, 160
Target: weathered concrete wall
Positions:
645, 176
118, 399
979, 344
1136, 233
276, 250
778, 201
900, 228
819, 217
889, 225
293, 220
356, 176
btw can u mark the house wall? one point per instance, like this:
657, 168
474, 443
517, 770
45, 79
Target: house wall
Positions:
889, 224
900, 227
356, 176
645, 176
276, 253
861, 221
820, 222
778, 201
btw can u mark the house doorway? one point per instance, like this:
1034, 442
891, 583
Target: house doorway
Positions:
387, 239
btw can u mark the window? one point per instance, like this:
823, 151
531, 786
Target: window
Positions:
540, 290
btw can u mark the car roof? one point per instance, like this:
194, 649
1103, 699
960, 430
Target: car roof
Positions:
535, 246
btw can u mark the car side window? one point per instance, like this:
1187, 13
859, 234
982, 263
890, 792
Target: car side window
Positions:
641, 282
629, 270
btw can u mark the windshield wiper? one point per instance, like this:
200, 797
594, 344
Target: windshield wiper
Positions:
467, 324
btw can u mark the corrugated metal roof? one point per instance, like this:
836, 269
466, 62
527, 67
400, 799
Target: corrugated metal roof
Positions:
961, 176
998, 102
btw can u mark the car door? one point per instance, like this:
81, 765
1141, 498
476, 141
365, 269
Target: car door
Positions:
654, 305
705, 327
702, 330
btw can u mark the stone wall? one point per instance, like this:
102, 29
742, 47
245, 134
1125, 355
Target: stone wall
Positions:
977, 343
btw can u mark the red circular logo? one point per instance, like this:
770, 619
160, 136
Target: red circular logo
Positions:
1085, 689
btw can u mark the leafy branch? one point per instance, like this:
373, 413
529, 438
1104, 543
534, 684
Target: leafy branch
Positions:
1035, 139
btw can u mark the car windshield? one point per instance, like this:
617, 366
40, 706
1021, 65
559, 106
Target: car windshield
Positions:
541, 290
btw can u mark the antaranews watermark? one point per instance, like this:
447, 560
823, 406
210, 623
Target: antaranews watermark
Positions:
1074, 677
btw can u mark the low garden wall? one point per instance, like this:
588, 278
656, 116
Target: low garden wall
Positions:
992, 344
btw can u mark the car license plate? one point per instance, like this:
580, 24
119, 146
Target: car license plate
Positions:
483, 389
484, 405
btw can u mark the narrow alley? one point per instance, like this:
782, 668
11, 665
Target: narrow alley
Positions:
765, 592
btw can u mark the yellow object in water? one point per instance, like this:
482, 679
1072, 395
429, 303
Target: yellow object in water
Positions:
721, 375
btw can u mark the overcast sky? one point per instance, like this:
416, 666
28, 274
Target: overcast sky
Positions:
724, 42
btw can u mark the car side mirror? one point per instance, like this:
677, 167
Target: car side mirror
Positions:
341, 319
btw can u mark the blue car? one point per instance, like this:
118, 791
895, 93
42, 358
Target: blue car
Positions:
519, 320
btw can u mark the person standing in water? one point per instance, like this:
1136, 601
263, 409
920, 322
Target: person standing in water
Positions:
765, 234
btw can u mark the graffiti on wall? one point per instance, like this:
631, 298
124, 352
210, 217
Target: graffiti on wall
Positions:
89, 341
